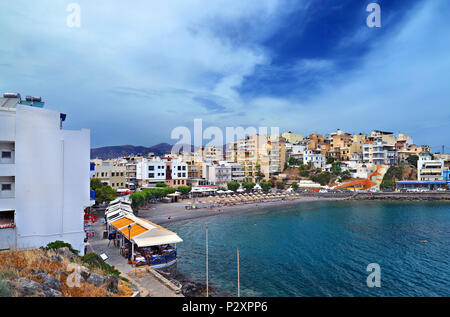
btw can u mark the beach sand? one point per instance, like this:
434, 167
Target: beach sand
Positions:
160, 213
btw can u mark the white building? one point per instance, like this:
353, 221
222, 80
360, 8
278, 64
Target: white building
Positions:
316, 158
162, 170
44, 176
429, 169
216, 174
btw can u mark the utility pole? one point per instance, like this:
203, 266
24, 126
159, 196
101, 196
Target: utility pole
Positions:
207, 291
239, 286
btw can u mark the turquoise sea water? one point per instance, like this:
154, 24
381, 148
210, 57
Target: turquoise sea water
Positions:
323, 249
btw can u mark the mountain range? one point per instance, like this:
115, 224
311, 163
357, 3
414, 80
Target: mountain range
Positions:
109, 152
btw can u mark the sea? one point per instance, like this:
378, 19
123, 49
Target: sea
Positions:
342, 248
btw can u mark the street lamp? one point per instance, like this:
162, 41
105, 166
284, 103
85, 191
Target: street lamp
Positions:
129, 239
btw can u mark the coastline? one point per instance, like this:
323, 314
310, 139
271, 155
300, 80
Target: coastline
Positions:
177, 211
160, 213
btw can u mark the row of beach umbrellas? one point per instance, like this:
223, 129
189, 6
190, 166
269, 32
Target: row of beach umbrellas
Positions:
239, 199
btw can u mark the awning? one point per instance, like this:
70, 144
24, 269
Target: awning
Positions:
143, 232
123, 222
134, 231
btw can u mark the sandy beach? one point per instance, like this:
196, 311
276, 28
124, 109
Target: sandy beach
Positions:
160, 213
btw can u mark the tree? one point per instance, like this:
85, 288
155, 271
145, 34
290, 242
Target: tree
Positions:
346, 174
233, 186
147, 195
293, 161
322, 178
335, 169
304, 173
280, 185
184, 190
412, 159
330, 160
294, 185
161, 184
103, 192
248, 186
266, 186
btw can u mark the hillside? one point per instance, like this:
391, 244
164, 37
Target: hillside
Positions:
51, 273
109, 152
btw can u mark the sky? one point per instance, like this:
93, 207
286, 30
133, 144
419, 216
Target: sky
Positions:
131, 73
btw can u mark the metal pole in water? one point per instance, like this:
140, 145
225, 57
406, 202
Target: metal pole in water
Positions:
207, 291
239, 287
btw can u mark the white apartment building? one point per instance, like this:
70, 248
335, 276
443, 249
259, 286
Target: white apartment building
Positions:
237, 171
379, 153
44, 176
429, 169
316, 158
162, 170
216, 174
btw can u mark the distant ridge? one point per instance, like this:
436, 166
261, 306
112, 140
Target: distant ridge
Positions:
109, 152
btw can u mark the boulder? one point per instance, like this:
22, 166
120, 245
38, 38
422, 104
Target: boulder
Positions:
112, 283
53, 283
95, 279
26, 287
50, 292
65, 252
84, 272
57, 258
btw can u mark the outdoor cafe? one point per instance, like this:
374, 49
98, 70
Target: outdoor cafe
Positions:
143, 242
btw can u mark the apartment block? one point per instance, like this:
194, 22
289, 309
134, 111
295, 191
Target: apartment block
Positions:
429, 169
44, 176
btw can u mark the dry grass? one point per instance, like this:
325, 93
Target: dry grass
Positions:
20, 263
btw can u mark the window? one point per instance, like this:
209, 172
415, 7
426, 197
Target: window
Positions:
179, 174
6, 187
6, 155
179, 168
151, 168
151, 175
112, 174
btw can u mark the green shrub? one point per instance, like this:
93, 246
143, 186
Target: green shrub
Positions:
61, 244
5, 291
93, 260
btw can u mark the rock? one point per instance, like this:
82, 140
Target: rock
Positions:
26, 287
49, 281
57, 258
60, 272
53, 283
65, 252
95, 279
50, 292
84, 272
112, 283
